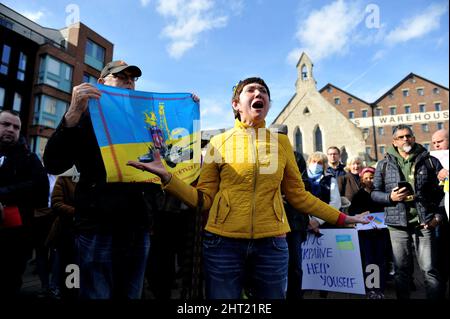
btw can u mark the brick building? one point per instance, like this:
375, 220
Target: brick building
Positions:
414, 101
40, 66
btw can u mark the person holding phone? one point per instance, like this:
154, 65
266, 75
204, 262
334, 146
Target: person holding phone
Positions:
411, 221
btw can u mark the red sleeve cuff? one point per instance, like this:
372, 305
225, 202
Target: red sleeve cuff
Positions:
341, 219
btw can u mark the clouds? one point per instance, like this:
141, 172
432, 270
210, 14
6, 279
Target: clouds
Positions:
144, 3
34, 16
337, 28
216, 114
188, 20
327, 31
419, 25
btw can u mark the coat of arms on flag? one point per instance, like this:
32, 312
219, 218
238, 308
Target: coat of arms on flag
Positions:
131, 125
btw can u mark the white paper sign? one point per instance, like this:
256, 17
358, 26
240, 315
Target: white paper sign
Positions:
376, 221
442, 156
332, 262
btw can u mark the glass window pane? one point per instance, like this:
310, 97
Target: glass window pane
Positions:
2, 97
17, 102
6, 53
53, 66
22, 62
3, 69
20, 76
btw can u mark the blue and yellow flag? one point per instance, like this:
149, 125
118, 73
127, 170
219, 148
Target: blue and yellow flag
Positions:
131, 125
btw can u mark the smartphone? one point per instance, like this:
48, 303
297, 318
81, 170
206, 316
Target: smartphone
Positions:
408, 186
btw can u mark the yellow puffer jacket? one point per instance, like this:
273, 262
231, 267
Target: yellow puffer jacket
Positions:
244, 173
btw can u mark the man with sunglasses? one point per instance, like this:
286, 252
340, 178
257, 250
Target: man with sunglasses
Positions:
411, 218
112, 220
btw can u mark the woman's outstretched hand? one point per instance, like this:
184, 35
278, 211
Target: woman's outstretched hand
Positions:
155, 167
358, 218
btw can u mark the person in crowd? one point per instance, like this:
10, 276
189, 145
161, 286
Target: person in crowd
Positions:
323, 185
299, 224
60, 239
439, 139
112, 220
171, 255
411, 217
372, 242
244, 174
41, 224
335, 167
23, 188
350, 183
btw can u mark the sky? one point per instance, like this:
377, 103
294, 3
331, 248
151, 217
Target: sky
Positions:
207, 46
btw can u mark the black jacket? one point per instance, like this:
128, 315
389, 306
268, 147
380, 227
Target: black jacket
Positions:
23, 182
99, 206
428, 194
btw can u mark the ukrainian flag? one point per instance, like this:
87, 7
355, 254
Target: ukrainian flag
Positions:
131, 125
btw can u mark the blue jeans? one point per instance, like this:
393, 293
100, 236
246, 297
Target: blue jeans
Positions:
372, 245
232, 264
295, 239
112, 266
424, 242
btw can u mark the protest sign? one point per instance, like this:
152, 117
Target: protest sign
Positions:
376, 221
332, 261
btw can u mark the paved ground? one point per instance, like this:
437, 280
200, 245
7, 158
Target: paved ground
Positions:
31, 288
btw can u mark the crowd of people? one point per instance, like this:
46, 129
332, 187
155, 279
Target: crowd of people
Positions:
239, 227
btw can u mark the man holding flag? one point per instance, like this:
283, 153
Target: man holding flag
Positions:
112, 220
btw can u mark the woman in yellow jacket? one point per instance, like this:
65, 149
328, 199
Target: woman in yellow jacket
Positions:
244, 173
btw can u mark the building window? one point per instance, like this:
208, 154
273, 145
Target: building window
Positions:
368, 150
48, 111
2, 97
427, 146
405, 92
329, 89
425, 128
318, 140
420, 92
350, 100
381, 131
391, 95
351, 114
436, 91
378, 112
22, 67
94, 55
393, 110
337, 101
17, 104
298, 140
422, 108
6, 53
437, 107
366, 132
382, 149
412, 80
364, 113
55, 73
87, 78
440, 125
407, 109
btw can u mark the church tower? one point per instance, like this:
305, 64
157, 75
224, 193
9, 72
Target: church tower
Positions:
305, 80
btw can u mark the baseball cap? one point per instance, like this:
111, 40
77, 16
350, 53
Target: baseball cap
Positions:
114, 67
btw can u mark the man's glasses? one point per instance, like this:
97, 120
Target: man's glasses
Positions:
123, 77
407, 136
